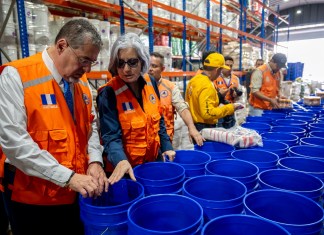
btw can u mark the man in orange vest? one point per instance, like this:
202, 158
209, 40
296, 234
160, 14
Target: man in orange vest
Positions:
265, 85
247, 81
228, 83
50, 151
171, 100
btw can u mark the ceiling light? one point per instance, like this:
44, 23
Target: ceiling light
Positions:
286, 0
299, 11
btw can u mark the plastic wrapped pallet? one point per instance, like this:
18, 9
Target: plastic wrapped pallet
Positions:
236, 136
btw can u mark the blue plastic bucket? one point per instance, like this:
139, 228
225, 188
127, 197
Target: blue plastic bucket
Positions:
243, 171
109, 211
286, 138
293, 181
312, 166
300, 132
303, 113
301, 118
216, 150
273, 115
257, 126
290, 122
316, 126
193, 161
217, 195
312, 141
264, 160
306, 151
296, 213
319, 134
165, 214
259, 119
160, 177
242, 225
279, 148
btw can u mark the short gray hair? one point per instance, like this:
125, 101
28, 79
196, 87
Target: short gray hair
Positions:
78, 31
129, 40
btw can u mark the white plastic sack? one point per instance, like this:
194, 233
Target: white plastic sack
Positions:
235, 136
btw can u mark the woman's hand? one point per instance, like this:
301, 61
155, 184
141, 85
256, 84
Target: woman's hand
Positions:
170, 154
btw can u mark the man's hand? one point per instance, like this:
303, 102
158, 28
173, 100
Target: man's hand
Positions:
86, 185
196, 136
96, 171
223, 91
274, 103
120, 170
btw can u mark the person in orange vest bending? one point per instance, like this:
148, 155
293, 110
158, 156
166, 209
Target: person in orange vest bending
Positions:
265, 85
48, 134
132, 125
171, 100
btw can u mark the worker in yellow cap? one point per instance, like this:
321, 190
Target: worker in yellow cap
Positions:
202, 97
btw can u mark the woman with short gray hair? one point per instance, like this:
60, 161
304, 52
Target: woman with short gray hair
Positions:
132, 129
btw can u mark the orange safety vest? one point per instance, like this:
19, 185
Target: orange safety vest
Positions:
165, 88
51, 126
269, 88
141, 140
221, 83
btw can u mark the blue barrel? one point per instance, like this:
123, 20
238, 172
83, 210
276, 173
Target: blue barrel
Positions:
260, 127
259, 119
316, 126
306, 151
293, 181
310, 166
300, 132
242, 224
160, 177
216, 150
279, 148
264, 160
312, 141
108, 212
319, 134
243, 171
193, 161
286, 138
217, 195
165, 214
290, 122
296, 213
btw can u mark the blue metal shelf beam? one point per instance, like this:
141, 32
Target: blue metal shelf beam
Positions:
22, 28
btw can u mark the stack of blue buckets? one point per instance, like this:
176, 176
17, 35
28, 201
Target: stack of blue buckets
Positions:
219, 189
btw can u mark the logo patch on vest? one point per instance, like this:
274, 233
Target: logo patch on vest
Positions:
219, 82
48, 100
85, 99
152, 99
164, 93
128, 106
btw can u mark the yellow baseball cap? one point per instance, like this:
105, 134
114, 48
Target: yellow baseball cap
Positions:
216, 60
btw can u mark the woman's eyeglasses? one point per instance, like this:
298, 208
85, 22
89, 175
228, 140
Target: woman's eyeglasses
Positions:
132, 63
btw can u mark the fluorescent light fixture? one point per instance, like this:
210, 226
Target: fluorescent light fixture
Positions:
299, 11
286, 0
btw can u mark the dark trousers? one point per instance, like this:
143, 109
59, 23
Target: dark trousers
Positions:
4, 220
27, 219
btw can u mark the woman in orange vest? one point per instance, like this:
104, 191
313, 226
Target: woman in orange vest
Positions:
48, 134
132, 126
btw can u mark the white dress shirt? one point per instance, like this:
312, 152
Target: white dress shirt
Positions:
17, 144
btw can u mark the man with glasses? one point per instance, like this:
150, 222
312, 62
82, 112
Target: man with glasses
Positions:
202, 96
49, 134
265, 85
132, 127
172, 100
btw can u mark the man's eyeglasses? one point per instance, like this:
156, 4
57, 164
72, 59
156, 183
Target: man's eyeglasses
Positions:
83, 61
132, 63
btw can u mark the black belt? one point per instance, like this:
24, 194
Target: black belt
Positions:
205, 124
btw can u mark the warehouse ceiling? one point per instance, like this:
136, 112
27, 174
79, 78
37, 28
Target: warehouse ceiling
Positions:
284, 4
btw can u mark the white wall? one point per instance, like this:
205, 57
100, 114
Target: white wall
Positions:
310, 52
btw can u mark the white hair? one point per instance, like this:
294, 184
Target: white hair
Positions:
129, 40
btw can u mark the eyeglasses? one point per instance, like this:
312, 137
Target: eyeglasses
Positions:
83, 61
132, 63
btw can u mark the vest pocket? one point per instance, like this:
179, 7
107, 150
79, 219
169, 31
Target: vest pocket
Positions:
138, 130
58, 141
41, 138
